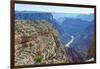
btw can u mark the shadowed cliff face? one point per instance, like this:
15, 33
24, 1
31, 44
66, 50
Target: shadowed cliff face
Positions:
37, 42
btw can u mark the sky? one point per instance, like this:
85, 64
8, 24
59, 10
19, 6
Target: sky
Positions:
56, 9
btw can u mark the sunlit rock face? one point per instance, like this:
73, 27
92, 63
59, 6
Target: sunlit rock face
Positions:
37, 42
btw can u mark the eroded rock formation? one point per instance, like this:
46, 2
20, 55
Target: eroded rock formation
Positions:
37, 42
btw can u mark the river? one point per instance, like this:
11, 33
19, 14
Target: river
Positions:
71, 41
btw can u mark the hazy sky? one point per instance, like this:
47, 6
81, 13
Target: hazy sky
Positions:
44, 8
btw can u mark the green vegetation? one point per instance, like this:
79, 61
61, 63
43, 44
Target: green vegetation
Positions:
38, 58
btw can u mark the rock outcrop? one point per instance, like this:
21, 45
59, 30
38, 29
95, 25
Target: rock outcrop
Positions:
37, 42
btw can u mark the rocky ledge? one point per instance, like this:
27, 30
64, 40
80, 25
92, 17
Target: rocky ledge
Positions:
37, 42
